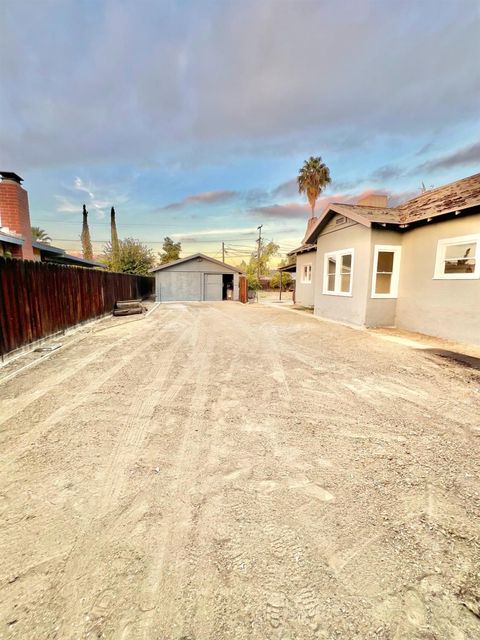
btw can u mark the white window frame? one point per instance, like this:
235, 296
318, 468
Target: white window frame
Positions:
440, 258
397, 255
305, 279
338, 280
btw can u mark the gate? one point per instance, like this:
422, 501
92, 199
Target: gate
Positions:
243, 285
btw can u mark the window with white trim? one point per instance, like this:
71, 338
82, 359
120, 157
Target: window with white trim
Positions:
386, 271
338, 273
458, 258
306, 274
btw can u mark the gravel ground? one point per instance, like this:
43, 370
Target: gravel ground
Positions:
219, 472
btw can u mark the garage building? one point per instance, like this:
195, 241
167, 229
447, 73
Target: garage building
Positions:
196, 278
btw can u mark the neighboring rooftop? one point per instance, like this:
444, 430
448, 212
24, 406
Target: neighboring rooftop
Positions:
58, 255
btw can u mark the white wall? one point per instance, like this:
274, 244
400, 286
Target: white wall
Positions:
445, 308
351, 309
305, 293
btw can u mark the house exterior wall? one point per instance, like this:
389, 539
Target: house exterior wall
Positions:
305, 293
445, 308
335, 237
381, 312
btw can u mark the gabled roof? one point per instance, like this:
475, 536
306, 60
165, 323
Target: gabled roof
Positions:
456, 196
304, 248
196, 256
364, 214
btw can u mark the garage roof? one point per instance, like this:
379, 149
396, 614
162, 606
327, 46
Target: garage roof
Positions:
199, 257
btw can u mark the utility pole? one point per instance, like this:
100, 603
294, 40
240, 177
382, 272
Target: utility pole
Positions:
223, 252
258, 251
258, 255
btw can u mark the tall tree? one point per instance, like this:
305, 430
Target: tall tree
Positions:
261, 267
312, 178
114, 242
134, 257
40, 234
170, 251
85, 237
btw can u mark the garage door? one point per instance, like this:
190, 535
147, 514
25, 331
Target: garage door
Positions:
213, 286
181, 286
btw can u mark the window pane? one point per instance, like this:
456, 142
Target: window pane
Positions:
332, 264
331, 282
346, 263
345, 284
465, 250
385, 261
383, 283
459, 266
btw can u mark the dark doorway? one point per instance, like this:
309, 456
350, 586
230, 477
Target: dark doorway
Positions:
227, 290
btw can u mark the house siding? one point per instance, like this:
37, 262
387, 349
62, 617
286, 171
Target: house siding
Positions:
351, 309
305, 293
445, 308
381, 312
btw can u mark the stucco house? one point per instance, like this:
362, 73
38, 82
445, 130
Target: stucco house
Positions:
415, 266
196, 278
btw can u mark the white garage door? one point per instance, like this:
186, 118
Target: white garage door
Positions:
213, 286
179, 286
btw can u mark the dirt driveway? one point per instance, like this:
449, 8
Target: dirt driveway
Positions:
218, 471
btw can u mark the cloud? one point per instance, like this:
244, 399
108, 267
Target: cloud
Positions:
97, 198
294, 210
280, 211
213, 232
466, 155
209, 197
286, 189
212, 81
387, 172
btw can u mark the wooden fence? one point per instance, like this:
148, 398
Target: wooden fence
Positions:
37, 299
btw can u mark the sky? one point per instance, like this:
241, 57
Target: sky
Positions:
193, 117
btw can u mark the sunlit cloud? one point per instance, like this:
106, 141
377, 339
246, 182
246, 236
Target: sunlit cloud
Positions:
209, 197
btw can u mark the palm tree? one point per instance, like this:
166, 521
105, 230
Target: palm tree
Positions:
312, 178
85, 237
40, 234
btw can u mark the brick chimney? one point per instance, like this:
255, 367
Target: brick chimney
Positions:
14, 210
310, 224
373, 200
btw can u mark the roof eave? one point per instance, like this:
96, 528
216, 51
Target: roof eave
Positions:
4, 237
194, 257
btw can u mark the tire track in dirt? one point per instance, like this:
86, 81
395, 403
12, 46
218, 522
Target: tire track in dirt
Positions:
107, 523
202, 592
41, 428
48, 385
177, 527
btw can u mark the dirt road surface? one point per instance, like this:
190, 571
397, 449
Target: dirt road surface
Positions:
219, 472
